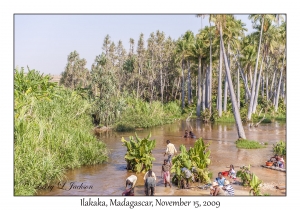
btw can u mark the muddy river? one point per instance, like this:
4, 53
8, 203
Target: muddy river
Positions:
109, 178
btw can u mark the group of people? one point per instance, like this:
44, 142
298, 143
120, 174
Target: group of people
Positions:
277, 161
189, 134
221, 186
150, 177
149, 181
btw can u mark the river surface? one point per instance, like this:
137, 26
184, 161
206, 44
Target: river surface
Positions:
109, 178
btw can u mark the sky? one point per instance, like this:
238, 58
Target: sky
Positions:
43, 42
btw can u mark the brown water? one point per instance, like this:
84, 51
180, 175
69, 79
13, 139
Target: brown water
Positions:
109, 178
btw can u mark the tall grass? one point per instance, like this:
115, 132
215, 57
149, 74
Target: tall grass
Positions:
52, 133
141, 114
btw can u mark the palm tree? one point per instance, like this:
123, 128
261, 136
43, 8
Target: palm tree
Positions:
188, 37
199, 51
265, 21
220, 21
184, 49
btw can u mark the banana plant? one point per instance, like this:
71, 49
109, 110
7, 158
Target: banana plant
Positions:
139, 153
196, 160
178, 162
255, 184
200, 157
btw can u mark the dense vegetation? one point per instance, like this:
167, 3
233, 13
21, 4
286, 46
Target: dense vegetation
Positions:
52, 132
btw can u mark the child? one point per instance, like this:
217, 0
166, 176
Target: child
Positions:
232, 173
166, 173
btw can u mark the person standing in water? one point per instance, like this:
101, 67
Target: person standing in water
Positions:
150, 182
170, 151
166, 173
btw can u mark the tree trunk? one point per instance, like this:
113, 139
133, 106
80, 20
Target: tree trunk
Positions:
273, 79
220, 84
225, 94
282, 85
251, 80
210, 71
189, 83
279, 85
173, 87
207, 88
273, 93
161, 86
247, 91
236, 113
182, 89
246, 95
285, 92
278, 91
238, 89
199, 88
177, 88
263, 86
203, 87
267, 86
251, 104
257, 86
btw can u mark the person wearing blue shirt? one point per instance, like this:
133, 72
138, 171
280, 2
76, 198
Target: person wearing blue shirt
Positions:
220, 179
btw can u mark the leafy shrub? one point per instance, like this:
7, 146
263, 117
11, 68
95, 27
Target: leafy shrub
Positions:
139, 153
196, 160
120, 127
249, 179
279, 148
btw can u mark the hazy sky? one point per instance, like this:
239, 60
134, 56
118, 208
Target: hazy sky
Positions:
43, 42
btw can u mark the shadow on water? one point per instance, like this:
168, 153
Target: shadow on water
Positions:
109, 178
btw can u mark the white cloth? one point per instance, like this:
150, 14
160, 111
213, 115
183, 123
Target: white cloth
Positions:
132, 179
171, 149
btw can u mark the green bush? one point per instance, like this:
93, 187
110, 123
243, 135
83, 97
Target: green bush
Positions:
139, 153
279, 148
248, 144
120, 127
